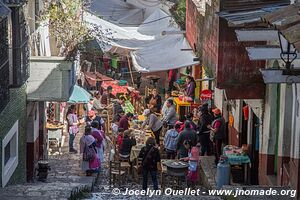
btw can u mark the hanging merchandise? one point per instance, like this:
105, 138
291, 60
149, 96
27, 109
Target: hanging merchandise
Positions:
51, 111
231, 120
114, 62
246, 112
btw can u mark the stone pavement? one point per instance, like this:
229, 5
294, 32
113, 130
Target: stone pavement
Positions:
208, 171
64, 180
102, 191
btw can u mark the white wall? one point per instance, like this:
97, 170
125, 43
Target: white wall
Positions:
11, 165
285, 120
295, 147
268, 137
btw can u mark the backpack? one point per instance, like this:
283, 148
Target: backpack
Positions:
88, 153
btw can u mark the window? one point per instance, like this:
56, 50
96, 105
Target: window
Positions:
10, 153
6, 153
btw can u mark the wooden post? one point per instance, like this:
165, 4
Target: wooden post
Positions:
129, 66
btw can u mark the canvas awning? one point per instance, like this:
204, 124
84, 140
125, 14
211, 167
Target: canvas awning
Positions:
150, 50
79, 95
50, 79
167, 53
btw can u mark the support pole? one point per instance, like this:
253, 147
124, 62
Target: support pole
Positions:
129, 66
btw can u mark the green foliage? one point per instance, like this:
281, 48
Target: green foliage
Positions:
179, 13
65, 23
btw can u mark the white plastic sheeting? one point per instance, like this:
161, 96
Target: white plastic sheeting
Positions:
163, 54
129, 29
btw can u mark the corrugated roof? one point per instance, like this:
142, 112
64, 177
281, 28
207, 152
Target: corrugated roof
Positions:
287, 21
4, 10
242, 18
244, 5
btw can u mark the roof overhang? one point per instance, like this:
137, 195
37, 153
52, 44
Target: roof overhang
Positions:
272, 76
50, 79
287, 22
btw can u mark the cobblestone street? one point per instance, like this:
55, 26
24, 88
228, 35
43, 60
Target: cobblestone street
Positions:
64, 179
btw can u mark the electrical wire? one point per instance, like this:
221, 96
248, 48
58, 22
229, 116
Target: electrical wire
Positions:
147, 22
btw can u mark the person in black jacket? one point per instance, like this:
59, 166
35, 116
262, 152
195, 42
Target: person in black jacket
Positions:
127, 144
150, 157
203, 131
187, 134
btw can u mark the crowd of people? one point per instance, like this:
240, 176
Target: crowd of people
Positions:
197, 135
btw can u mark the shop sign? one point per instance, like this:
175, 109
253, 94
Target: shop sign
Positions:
206, 95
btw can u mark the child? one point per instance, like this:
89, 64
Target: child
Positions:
193, 160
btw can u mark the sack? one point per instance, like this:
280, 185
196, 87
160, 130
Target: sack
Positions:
212, 136
88, 153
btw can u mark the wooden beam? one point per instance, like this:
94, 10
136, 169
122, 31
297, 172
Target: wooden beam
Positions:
272, 76
257, 35
265, 53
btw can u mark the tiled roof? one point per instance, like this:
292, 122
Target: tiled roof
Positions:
287, 21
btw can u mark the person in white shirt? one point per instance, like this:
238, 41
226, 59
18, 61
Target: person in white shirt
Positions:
164, 108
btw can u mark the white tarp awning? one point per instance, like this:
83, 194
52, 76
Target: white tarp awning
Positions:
50, 79
163, 55
150, 50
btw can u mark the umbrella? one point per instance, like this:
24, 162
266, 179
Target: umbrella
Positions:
79, 95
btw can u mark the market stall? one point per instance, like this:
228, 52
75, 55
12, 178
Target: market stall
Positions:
238, 160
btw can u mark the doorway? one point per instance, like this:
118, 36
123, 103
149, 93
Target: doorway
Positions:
254, 151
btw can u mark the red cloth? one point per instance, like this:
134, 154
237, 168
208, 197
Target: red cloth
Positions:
120, 140
116, 88
123, 123
172, 75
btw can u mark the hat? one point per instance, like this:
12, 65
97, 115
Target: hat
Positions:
216, 111
91, 113
146, 112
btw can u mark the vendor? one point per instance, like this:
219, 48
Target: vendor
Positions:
154, 124
107, 96
153, 101
128, 142
217, 133
190, 87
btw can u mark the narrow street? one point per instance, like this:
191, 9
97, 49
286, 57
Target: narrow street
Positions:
149, 99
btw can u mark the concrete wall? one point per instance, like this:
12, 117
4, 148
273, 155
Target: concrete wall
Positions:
15, 110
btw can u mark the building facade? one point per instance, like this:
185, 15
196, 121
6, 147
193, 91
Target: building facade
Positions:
263, 116
14, 66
